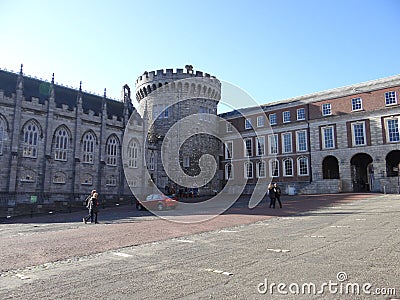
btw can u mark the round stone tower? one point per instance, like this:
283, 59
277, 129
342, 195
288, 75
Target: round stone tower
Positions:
166, 98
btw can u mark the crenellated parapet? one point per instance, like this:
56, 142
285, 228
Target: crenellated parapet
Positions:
187, 84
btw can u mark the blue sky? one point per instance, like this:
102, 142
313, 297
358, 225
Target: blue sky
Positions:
272, 49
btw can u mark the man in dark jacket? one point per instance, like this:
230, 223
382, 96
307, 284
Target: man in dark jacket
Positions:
271, 194
278, 193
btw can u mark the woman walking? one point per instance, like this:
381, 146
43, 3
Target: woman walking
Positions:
92, 205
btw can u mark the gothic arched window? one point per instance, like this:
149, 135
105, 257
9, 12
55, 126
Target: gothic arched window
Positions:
61, 144
133, 154
30, 142
88, 148
112, 151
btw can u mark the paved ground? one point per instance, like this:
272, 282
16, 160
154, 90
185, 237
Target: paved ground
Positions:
238, 255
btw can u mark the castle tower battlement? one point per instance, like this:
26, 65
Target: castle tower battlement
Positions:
194, 84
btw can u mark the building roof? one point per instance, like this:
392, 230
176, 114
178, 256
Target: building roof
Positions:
40, 89
354, 89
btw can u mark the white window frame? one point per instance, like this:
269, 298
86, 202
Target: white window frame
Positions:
227, 177
388, 96
285, 173
301, 114
290, 145
260, 141
227, 150
61, 144
260, 121
88, 147
356, 104
271, 168
165, 112
87, 179
299, 166
264, 168
152, 161
387, 129
112, 151
248, 152
273, 119
204, 114
353, 137
31, 140
59, 178
228, 127
186, 161
111, 180
247, 124
323, 137
273, 143
286, 116
248, 166
133, 154
298, 141
326, 109
28, 176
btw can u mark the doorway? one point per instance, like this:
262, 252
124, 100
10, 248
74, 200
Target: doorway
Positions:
361, 168
393, 163
330, 168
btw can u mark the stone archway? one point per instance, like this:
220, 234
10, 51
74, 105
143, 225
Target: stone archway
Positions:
393, 163
361, 172
330, 168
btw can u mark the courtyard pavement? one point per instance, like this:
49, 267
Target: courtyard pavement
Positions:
331, 244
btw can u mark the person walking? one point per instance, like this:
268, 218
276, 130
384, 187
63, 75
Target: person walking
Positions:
271, 194
92, 205
278, 193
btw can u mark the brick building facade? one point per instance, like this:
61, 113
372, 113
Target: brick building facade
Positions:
339, 140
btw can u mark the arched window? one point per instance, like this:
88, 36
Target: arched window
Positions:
31, 136
28, 176
112, 151
88, 148
248, 170
87, 179
111, 180
302, 166
152, 161
288, 167
2, 134
261, 169
61, 144
133, 154
59, 177
228, 171
274, 168
133, 182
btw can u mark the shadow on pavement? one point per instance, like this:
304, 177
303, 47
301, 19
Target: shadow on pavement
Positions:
292, 205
